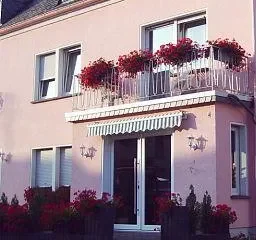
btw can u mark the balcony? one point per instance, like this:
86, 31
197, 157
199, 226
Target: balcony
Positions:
212, 71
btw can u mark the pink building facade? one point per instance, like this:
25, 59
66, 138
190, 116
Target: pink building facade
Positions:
157, 134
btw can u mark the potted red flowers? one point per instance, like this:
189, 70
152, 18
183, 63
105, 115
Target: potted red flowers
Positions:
134, 62
176, 54
96, 74
223, 216
173, 217
230, 52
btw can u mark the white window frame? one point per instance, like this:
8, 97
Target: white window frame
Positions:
239, 128
37, 82
59, 67
55, 165
62, 69
176, 20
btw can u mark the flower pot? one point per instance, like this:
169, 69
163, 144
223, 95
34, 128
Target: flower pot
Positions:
100, 225
209, 237
175, 224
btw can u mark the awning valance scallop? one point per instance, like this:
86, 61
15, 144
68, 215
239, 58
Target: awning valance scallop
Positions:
139, 124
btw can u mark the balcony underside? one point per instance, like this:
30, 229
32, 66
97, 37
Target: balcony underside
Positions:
169, 103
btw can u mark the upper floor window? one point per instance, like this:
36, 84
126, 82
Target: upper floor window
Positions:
191, 27
55, 73
47, 76
239, 178
71, 67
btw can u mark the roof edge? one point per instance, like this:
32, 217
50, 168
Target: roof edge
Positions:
57, 12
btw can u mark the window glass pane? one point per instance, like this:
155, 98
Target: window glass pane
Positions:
44, 160
233, 158
47, 66
161, 35
243, 162
65, 166
48, 88
196, 31
73, 68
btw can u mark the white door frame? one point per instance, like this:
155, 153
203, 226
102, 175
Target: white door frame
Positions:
140, 175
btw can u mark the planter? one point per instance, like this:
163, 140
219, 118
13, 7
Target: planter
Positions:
100, 225
40, 236
209, 237
175, 224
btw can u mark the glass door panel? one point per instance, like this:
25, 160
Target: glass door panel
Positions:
125, 180
157, 178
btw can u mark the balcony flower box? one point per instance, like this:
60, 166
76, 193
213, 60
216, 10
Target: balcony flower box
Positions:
100, 225
175, 224
229, 52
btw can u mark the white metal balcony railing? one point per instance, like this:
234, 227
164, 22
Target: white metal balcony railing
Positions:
212, 72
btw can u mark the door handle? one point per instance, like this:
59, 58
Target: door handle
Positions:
135, 186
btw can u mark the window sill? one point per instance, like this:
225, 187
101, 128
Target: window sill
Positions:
51, 99
240, 197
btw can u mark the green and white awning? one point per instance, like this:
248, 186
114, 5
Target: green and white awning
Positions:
142, 124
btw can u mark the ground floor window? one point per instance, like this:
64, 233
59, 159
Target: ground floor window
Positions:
239, 160
52, 167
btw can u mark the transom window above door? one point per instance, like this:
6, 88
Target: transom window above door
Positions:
193, 27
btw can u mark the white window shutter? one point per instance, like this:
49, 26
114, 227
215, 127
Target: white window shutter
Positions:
65, 166
44, 160
47, 67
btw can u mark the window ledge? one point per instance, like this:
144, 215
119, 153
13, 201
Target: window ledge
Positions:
51, 99
240, 197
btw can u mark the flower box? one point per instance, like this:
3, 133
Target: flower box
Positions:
100, 225
175, 224
209, 237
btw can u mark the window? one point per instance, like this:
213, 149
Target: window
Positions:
71, 67
47, 76
193, 27
52, 167
65, 166
44, 162
55, 73
239, 160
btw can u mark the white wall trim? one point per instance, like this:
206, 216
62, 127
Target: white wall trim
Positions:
172, 163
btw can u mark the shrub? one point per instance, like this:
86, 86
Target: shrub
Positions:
193, 209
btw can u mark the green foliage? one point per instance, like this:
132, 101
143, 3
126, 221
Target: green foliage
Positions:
206, 213
4, 199
193, 209
241, 236
15, 201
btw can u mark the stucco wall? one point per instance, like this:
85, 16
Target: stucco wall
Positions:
189, 166
225, 115
105, 32
196, 167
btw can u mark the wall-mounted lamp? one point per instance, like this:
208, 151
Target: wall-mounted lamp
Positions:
197, 143
4, 157
193, 143
89, 153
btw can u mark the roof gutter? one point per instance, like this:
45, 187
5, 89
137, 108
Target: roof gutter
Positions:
50, 15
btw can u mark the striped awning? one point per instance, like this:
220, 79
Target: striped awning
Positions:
156, 122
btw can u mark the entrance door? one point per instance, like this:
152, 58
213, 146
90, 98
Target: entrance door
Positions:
126, 174
142, 172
